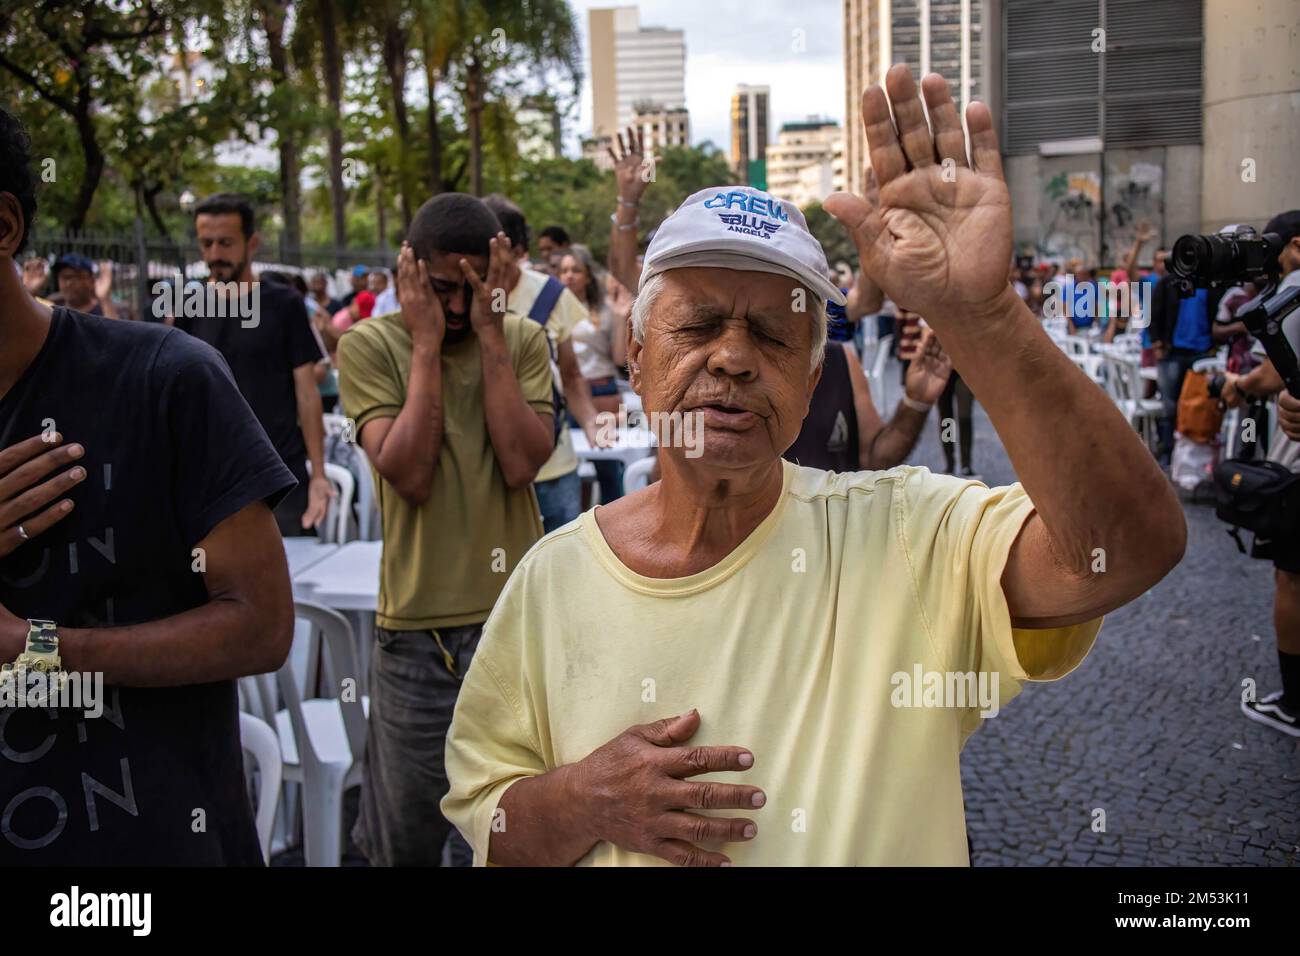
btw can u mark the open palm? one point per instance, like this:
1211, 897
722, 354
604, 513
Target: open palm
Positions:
937, 237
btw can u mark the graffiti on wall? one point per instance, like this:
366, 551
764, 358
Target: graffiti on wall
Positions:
1075, 223
1069, 215
1134, 195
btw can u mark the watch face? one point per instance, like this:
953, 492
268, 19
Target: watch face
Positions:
43, 642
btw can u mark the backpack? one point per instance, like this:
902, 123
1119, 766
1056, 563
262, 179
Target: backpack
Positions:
540, 313
1199, 415
1260, 496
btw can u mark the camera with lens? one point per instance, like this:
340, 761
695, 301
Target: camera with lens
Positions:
1229, 258
1258, 496
1202, 262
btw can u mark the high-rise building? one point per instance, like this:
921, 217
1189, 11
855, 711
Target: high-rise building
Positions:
660, 127
749, 112
632, 66
801, 163
930, 36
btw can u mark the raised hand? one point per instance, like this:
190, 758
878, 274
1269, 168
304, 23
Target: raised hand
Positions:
930, 368
633, 171
421, 310
939, 241
104, 282
489, 308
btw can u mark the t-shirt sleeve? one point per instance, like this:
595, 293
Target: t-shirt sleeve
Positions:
493, 740
223, 460
300, 341
958, 537
368, 383
532, 361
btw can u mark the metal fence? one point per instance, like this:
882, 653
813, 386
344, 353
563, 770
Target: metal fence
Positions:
140, 262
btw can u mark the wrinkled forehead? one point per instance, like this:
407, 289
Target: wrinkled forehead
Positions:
735, 289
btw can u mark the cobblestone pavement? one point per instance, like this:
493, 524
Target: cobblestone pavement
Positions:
1148, 729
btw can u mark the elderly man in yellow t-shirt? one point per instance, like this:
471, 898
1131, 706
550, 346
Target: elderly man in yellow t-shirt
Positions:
755, 663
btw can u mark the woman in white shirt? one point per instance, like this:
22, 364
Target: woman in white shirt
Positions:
600, 344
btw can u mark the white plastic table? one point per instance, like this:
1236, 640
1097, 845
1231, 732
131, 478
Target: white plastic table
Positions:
633, 444
347, 580
304, 553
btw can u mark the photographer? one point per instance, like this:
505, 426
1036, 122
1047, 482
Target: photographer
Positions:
1281, 709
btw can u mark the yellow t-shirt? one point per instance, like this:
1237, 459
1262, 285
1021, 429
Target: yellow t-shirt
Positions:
798, 645
441, 565
568, 312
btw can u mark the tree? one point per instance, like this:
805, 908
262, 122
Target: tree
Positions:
331, 66
281, 105
835, 239
79, 56
502, 40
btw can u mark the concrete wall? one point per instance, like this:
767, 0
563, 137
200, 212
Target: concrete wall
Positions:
1252, 111
1159, 184
1184, 202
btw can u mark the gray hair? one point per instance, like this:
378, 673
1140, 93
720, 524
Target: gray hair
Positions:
649, 294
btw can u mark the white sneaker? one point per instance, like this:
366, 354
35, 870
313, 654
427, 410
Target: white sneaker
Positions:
1272, 712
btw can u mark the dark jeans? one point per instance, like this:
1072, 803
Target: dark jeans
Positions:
1170, 372
415, 678
959, 391
559, 499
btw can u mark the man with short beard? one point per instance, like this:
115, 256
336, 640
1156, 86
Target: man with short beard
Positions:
452, 401
273, 360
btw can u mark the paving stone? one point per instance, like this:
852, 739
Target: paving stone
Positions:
1145, 728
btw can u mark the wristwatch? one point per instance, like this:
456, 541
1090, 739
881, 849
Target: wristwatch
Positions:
41, 654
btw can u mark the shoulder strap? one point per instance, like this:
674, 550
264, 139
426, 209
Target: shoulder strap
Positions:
544, 304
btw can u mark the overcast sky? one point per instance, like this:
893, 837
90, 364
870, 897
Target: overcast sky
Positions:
734, 41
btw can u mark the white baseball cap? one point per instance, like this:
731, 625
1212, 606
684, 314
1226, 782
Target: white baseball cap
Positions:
740, 227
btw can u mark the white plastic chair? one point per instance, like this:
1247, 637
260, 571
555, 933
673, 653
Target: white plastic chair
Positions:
369, 526
1122, 379
337, 523
260, 743
323, 739
637, 475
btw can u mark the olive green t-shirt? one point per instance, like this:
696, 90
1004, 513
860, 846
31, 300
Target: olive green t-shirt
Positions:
445, 562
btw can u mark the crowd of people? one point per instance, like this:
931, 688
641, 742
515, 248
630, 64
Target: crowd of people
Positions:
549, 679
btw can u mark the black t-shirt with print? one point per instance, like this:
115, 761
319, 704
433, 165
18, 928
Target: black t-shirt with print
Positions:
172, 450
262, 357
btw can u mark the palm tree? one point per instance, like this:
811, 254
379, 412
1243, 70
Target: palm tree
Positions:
332, 69
501, 37
440, 31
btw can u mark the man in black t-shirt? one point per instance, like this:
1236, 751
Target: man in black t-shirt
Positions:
135, 513
273, 356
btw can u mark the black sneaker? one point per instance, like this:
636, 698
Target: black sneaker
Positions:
968, 472
1271, 711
